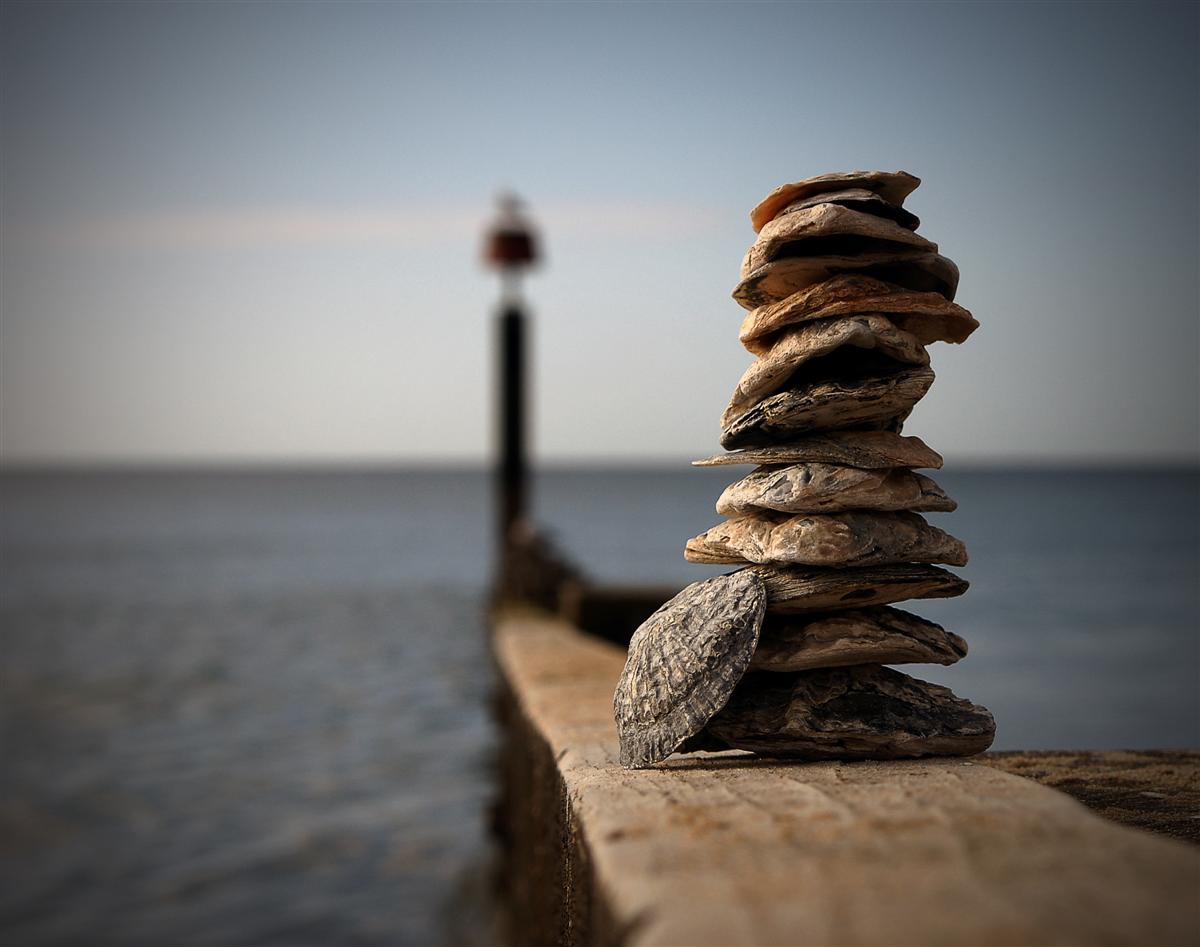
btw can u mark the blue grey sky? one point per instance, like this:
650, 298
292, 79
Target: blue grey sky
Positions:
243, 232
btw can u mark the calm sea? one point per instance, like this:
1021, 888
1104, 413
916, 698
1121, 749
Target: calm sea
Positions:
250, 708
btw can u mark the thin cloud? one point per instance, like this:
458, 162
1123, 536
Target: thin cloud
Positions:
284, 226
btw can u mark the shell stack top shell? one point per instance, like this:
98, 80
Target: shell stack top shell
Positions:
786, 655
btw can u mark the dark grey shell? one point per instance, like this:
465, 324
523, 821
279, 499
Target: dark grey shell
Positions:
684, 662
850, 713
881, 402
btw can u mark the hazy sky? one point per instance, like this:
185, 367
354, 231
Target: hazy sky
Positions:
251, 231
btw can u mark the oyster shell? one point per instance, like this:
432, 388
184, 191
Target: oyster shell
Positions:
683, 664
829, 488
908, 266
881, 402
826, 539
880, 635
829, 229
807, 589
860, 199
807, 344
927, 315
868, 449
892, 186
856, 713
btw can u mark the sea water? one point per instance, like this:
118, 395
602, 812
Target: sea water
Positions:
251, 708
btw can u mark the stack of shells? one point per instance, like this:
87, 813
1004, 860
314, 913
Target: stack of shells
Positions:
786, 655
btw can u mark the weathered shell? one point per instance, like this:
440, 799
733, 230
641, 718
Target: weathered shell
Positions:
892, 186
829, 229
882, 402
927, 315
912, 268
871, 450
855, 713
807, 589
855, 538
860, 199
880, 635
830, 488
683, 664
807, 344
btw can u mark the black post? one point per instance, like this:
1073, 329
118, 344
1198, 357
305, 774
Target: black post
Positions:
511, 463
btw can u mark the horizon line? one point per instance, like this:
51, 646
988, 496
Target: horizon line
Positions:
316, 465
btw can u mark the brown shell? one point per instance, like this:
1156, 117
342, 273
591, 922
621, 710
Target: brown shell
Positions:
806, 344
854, 713
829, 228
880, 635
871, 450
860, 199
892, 186
880, 402
855, 538
911, 268
806, 589
927, 315
830, 488
684, 662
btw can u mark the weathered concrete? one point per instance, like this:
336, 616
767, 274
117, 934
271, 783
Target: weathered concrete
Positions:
728, 849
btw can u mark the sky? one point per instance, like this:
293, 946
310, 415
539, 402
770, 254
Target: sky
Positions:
250, 232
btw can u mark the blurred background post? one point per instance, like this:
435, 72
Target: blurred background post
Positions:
511, 248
